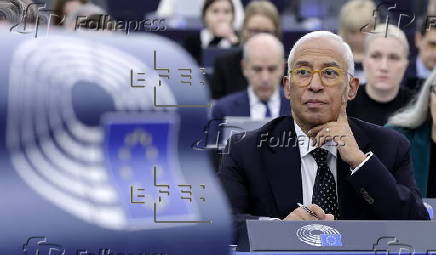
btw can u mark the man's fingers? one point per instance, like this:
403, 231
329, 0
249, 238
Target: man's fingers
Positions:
321, 138
317, 210
301, 214
324, 135
320, 212
329, 216
315, 130
304, 214
293, 216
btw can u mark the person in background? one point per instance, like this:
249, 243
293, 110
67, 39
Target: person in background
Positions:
366, 174
385, 61
259, 16
218, 17
264, 98
354, 16
417, 122
431, 7
172, 8
63, 8
87, 17
425, 41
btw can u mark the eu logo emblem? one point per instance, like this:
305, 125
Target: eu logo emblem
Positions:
331, 239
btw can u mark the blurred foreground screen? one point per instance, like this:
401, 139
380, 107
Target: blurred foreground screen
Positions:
96, 134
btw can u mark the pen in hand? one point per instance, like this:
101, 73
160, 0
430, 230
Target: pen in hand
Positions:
308, 210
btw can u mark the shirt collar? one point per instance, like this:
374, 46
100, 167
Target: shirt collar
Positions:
205, 38
275, 98
421, 70
305, 145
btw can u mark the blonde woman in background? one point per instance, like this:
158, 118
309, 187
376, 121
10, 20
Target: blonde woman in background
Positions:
385, 60
418, 123
259, 17
354, 16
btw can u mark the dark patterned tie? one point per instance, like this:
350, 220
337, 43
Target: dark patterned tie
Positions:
268, 110
324, 189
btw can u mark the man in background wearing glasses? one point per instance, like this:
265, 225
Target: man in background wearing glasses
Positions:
333, 166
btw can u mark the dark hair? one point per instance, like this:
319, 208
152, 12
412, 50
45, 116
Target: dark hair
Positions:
425, 25
59, 6
207, 4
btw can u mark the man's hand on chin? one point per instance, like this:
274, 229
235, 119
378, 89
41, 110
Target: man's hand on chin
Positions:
349, 150
301, 214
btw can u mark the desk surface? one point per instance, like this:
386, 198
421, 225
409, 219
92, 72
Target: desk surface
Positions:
326, 253
337, 237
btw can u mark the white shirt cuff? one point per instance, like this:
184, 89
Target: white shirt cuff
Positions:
368, 156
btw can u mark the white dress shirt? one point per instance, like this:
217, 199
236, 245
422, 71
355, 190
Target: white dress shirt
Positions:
421, 71
308, 164
258, 109
206, 37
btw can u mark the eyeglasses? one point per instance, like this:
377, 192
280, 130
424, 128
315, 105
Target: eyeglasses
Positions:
330, 76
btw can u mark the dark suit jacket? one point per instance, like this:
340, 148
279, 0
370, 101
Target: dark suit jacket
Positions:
238, 104
411, 81
227, 75
192, 45
266, 180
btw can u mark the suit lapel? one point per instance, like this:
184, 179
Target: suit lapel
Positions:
241, 107
281, 162
282, 165
359, 134
345, 190
245, 108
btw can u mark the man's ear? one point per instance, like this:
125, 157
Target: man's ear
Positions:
286, 85
354, 87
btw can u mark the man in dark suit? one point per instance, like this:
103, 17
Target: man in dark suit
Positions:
263, 69
264, 98
238, 104
425, 61
339, 168
259, 16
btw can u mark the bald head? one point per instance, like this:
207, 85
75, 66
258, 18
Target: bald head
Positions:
264, 42
325, 36
263, 64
